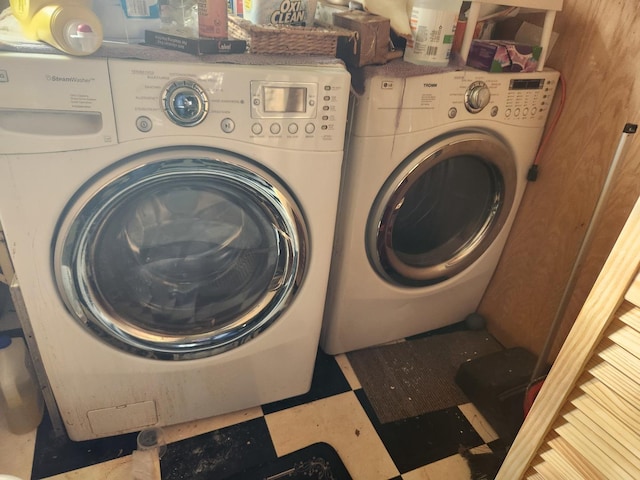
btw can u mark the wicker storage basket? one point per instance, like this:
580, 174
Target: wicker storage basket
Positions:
287, 39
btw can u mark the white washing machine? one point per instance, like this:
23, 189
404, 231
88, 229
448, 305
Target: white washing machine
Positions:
171, 228
435, 169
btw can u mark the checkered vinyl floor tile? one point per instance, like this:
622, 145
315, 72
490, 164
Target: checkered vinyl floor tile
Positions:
336, 411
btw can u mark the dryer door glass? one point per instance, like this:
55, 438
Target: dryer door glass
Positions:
184, 256
441, 209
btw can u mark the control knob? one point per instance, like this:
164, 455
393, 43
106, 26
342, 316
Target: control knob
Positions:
477, 97
185, 103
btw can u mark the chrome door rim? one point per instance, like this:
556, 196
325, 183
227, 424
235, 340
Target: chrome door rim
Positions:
383, 214
76, 236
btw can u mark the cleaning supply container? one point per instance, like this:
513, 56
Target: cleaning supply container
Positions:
125, 21
21, 400
433, 25
68, 25
280, 12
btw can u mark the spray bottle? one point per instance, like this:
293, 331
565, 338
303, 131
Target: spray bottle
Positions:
68, 25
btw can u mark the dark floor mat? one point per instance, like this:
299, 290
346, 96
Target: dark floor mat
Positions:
411, 378
219, 454
315, 462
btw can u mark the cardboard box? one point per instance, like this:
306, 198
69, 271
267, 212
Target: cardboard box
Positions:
503, 56
195, 46
212, 19
371, 43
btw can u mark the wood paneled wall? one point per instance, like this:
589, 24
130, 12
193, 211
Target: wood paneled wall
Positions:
598, 54
584, 423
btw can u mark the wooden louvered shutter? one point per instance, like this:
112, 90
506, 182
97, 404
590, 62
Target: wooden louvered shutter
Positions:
585, 423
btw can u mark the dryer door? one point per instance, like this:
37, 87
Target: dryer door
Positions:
178, 254
441, 209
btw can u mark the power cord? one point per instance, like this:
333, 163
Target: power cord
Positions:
532, 174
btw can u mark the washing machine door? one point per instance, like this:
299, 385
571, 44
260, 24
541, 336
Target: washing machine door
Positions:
441, 209
179, 254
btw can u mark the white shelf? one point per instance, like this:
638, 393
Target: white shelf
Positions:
551, 7
537, 4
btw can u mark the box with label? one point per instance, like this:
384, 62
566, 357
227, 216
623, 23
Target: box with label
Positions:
195, 46
503, 56
371, 43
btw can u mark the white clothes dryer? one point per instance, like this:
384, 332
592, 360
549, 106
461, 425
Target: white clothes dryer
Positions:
435, 169
171, 227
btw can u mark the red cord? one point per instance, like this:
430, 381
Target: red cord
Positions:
552, 126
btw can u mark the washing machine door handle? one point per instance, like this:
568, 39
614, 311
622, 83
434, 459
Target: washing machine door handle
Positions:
441, 209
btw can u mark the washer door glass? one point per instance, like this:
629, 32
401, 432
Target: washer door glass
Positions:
182, 255
441, 209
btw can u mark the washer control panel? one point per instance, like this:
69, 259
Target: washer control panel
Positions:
299, 107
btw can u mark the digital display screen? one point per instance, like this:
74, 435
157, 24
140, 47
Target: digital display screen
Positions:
285, 99
527, 84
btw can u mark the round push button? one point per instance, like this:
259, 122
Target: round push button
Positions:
144, 124
227, 125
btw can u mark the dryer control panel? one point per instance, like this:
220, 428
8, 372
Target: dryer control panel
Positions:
396, 104
530, 98
521, 99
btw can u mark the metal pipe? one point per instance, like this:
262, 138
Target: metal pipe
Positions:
628, 130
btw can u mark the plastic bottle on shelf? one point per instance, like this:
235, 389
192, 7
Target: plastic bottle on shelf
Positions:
21, 400
433, 25
68, 25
